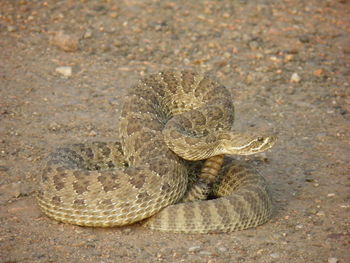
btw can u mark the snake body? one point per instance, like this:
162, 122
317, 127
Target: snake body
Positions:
169, 121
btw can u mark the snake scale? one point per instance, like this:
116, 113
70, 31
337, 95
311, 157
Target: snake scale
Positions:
169, 122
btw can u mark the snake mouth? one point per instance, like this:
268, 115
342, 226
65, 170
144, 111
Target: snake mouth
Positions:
256, 145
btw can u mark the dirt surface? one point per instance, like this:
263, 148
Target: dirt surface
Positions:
286, 63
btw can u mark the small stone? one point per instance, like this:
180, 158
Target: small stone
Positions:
205, 253
331, 195
288, 57
88, 34
253, 45
11, 28
222, 249
92, 133
65, 71
312, 211
304, 39
194, 249
332, 260
114, 15
295, 78
320, 213
318, 72
117, 43
105, 47
54, 126
227, 55
275, 255
309, 179
65, 42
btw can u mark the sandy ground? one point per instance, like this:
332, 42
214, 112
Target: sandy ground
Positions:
286, 63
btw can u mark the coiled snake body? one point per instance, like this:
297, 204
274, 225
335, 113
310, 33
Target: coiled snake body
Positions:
168, 121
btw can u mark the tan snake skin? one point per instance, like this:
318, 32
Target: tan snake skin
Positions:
166, 117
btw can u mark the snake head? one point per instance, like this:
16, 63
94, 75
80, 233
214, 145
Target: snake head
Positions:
246, 145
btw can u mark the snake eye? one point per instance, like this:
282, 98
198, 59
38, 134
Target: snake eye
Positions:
260, 139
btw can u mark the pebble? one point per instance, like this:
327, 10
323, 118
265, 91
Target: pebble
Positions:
295, 78
88, 34
288, 58
222, 249
318, 72
65, 71
11, 29
127, 231
92, 133
274, 255
65, 42
54, 126
205, 253
194, 249
332, 260
321, 213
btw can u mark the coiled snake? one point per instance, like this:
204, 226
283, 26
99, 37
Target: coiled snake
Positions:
169, 121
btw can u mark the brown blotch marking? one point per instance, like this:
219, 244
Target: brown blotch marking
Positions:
171, 81
144, 196
79, 203
57, 179
191, 141
56, 200
106, 151
159, 166
215, 113
224, 136
217, 90
108, 181
198, 118
188, 80
184, 121
81, 186
166, 188
106, 204
133, 125
136, 177
204, 85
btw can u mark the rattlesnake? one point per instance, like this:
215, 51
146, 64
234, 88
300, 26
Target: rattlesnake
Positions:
169, 120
